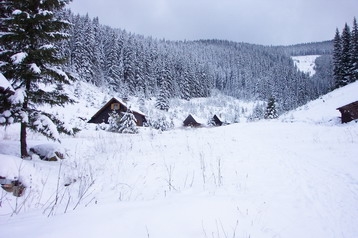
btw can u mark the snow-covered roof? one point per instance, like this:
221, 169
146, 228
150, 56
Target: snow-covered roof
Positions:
134, 109
5, 84
197, 119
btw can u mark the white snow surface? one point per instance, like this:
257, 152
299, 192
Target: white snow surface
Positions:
305, 63
291, 177
4, 83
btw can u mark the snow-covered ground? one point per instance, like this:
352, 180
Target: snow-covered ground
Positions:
291, 177
305, 63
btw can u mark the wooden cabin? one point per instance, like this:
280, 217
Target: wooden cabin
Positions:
119, 106
349, 112
192, 121
216, 121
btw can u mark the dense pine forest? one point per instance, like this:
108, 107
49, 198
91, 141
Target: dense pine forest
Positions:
345, 55
131, 64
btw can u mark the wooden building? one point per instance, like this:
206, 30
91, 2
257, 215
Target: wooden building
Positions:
192, 121
115, 105
349, 112
216, 121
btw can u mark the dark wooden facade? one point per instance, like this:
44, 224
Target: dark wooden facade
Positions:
216, 120
349, 112
191, 121
115, 105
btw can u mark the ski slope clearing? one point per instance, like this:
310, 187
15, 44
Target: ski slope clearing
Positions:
291, 177
305, 63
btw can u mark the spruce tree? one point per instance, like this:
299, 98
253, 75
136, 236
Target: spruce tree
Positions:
127, 123
337, 54
162, 102
30, 61
114, 121
346, 63
354, 51
271, 112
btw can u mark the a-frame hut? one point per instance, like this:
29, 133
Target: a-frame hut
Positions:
192, 121
118, 106
349, 112
216, 121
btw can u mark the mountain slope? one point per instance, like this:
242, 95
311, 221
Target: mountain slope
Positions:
323, 110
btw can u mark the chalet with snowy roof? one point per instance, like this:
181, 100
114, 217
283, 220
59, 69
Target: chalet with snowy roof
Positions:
216, 121
192, 121
118, 106
349, 112
5, 86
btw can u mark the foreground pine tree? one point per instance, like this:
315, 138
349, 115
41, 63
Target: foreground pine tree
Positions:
29, 59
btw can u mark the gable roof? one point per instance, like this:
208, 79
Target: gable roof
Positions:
192, 121
115, 100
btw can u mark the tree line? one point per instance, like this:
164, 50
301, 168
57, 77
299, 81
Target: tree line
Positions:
131, 64
345, 55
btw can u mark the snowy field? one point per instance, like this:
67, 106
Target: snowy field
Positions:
291, 177
305, 63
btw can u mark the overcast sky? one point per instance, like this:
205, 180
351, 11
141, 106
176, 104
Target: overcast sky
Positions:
267, 22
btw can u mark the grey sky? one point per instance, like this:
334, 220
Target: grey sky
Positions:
268, 22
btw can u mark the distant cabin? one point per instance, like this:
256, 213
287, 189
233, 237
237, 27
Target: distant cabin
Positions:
118, 106
5, 86
216, 121
349, 112
192, 121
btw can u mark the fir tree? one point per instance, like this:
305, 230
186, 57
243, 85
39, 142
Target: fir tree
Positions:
354, 51
346, 63
271, 112
29, 59
114, 121
127, 123
164, 91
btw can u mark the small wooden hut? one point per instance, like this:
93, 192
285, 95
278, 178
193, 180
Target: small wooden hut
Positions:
349, 112
192, 121
216, 121
118, 106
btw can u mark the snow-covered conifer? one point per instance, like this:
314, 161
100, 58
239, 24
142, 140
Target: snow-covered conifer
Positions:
127, 123
114, 121
271, 112
31, 62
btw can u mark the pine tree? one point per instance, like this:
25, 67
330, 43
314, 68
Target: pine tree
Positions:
271, 112
346, 62
162, 102
30, 59
337, 55
354, 51
127, 123
114, 121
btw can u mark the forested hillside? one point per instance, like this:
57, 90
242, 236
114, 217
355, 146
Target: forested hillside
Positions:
131, 64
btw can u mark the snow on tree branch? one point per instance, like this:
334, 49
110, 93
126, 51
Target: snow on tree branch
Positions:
19, 57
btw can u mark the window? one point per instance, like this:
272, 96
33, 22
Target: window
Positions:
115, 106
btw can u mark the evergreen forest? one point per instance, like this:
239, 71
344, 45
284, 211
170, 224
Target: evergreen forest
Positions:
132, 64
